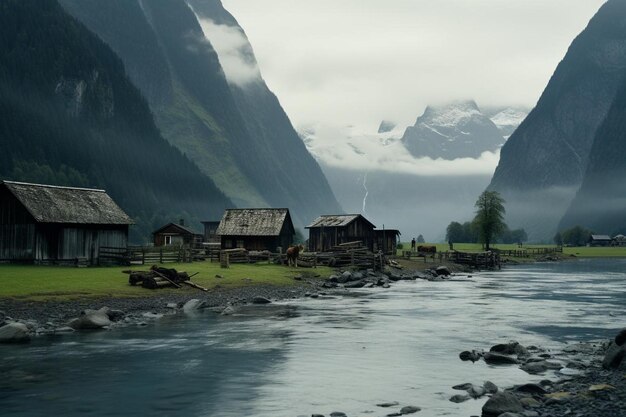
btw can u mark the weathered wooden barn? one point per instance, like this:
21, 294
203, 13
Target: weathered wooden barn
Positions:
331, 230
386, 241
210, 231
256, 229
174, 234
58, 225
600, 240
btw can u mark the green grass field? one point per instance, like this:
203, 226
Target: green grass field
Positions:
581, 252
41, 283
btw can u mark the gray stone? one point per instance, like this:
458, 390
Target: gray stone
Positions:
443, 270
116, 315
620, 339
490, 387
476, 391
531, 389
333, 278
388, 404
386, 285
534, 368
357, 276
345, 277
469, 356
14, 333
355, 284
500, 403
229, 310
173, 306
499, 359
511, 415
337, 414
64, 329
614, 356
463, 387
409, 409
459, 398
511, 348
91, 320
193, 305
260, 300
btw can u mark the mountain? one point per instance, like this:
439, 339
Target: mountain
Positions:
70, 116
215, 108
543, 162
508, 119
600, 204
457, 130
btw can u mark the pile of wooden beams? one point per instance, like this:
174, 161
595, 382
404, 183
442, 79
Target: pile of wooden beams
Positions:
158, 277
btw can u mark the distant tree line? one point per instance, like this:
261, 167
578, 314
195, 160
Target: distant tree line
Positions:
575, 236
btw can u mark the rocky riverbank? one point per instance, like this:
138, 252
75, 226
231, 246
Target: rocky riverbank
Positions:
591, 383
21, 320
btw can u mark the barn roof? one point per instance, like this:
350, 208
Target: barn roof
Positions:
601, 237
254, 222
53, 204
336, 220
181, 228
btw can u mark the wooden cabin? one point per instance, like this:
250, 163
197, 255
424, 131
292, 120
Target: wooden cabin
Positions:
58, 225
600, 240
386, 241
173, 234
257, 229
331, 230
210, 232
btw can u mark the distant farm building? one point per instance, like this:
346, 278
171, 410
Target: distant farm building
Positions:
600, 240
619, 240
58, 225
173, 234
210, 231
386, 241
256, 229
332, 230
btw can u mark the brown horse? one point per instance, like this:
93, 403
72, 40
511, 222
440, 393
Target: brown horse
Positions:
292, 255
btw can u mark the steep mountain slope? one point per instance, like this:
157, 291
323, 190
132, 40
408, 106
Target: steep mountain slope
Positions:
70, 116
508, 119
230, 124
600, 204
457, 130
543, 162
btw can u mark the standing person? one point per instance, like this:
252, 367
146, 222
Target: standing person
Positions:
413, 245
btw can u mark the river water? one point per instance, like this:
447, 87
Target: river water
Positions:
345, 353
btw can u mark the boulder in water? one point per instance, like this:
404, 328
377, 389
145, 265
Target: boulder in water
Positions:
14, 332
500, 403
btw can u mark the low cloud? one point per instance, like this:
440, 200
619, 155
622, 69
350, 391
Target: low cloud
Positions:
234, 52
348, 148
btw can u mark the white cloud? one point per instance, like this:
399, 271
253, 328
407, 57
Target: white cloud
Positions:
348, 147
232, 48
360, 61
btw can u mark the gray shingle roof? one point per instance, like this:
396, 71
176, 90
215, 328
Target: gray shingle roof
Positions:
53, 204
335, 220
601, 237
253, 222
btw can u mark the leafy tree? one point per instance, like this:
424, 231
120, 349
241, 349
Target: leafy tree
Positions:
420, 239
558, 239
489, 218
455, 233
576, 236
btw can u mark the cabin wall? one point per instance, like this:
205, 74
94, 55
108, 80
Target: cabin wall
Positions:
323, 239
17, 229
70, 242
255, 243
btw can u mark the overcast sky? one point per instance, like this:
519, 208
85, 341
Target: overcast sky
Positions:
355, 62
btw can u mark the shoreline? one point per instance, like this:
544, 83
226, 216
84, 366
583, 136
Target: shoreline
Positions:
567, 396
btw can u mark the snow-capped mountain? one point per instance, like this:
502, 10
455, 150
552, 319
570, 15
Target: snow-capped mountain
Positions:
508, 119
451, 131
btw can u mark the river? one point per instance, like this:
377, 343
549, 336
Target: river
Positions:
345, 353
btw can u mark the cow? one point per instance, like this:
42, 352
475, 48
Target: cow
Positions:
427, 250
292, 255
